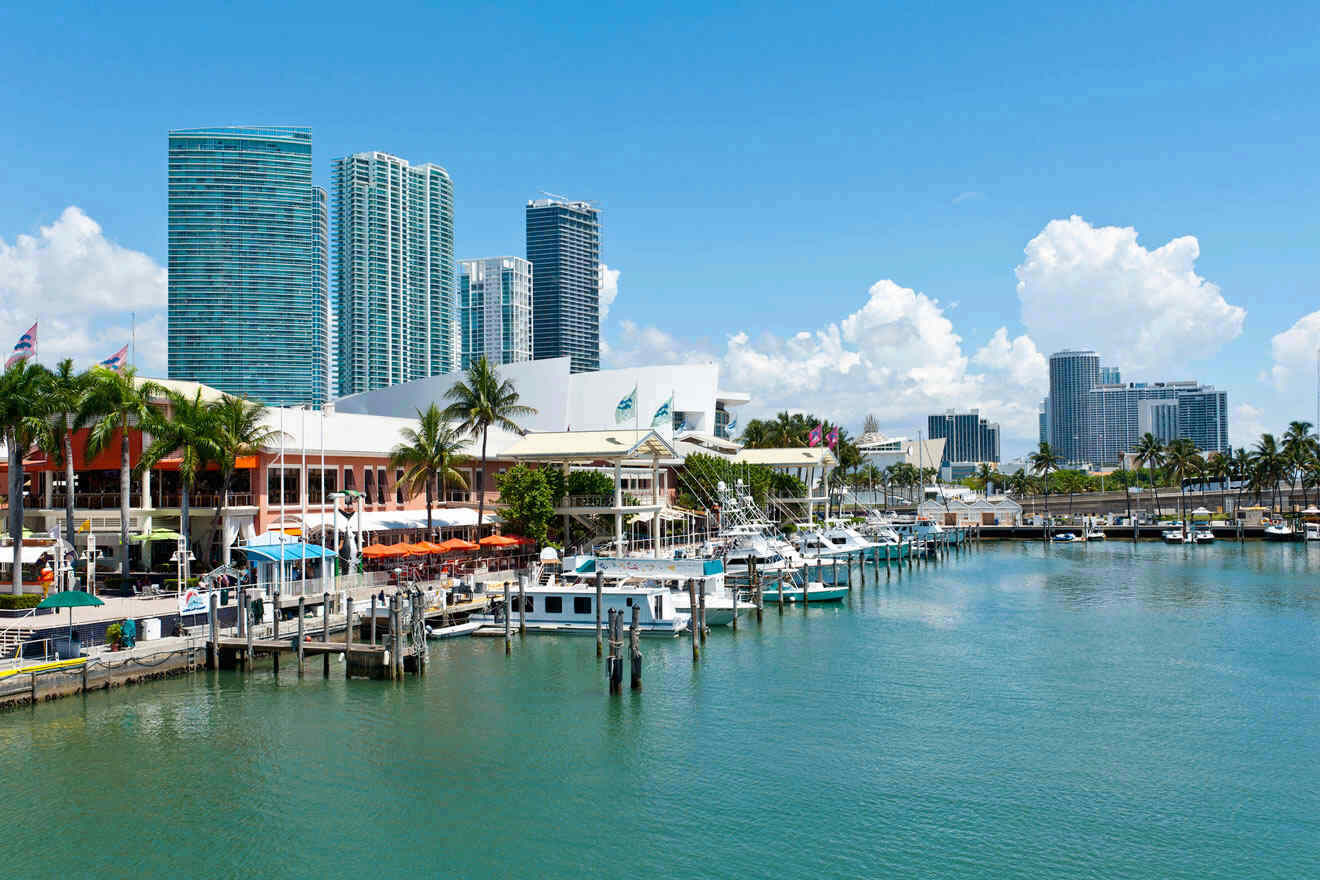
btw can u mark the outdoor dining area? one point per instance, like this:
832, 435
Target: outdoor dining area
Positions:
455, 557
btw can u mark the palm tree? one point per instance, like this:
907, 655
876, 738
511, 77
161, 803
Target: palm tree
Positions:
1240, 462
20, 390
477, 403
52, 427
114, 401
1295, 448
1183, 463
986, 475
1150, 453
240, 430
190, 430
1268, 461
428, 454
1044, 460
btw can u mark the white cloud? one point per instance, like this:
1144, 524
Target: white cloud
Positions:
1142, 310
1245, 425
1294, 352
81, 287
609, 290
896, 356
969, 195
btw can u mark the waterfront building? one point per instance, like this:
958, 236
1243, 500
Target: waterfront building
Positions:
563, 246
247, 285
393, 236
1120, 414
882, 451
970, 438
495, 308
1073, 373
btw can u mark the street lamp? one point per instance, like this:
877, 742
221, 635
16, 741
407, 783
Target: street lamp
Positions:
334, 515
180, 556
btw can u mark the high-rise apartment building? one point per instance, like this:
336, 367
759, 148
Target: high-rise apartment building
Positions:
1073, 374
393, 236
247, 283
563, 246
495, 309
967, 436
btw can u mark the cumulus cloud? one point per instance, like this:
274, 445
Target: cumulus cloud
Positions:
897, 356
1294, 353
82, 286
1245, 424
968, 196
1142, 310
609, 289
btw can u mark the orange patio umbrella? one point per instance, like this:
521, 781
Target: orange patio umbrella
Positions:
406, 549
429, 547
453, 545
382, 551
498, 541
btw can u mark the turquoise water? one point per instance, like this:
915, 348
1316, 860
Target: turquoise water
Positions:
1017, 711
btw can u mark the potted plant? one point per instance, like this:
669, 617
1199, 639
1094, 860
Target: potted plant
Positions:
114, 634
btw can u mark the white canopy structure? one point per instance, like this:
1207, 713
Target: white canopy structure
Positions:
810, 464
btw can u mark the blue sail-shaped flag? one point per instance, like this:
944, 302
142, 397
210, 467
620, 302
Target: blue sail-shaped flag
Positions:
627, 408
664, 415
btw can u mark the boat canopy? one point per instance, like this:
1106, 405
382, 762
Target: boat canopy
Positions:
287, 552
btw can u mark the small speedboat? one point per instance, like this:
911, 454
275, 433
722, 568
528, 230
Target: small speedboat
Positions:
1176, 536
1064, 538
1095, 533
816, 592
1313, 531
1203, 536
1279, 531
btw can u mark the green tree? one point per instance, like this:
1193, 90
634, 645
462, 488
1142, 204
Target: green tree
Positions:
1150, 452
52, 426
115, 401
1044, 460
1267, 460
428, 456
479, 401
189, 429
240, 430
1184, 463
20, 396
528, 505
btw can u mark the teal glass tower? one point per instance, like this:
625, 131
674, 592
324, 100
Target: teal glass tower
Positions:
247, 264
397, 304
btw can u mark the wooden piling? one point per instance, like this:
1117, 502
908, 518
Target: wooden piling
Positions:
757, 595
373, 618
325, 633
635, 648
212, 649
781, 592
694, 623
522, 605
275, 630
508, 624
616, 651
701, 598
302, 607
247, 611
599, 586
396, 634
348, 638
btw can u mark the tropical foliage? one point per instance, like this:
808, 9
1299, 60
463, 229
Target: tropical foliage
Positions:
528, 501
428, 455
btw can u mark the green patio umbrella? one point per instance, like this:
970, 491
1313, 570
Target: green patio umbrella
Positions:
70, 599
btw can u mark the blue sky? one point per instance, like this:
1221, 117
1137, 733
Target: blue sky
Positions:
759, 168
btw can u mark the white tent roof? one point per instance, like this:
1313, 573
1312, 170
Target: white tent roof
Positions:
385, 520
808, 456
618, 445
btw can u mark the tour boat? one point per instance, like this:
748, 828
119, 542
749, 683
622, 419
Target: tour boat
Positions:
570, 609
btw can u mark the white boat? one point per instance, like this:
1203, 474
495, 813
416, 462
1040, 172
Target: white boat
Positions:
1203, 535
1278, 530
832, 542
1095, 533
669, 575
1313, 531
1176, 536
570, 609
1064, 538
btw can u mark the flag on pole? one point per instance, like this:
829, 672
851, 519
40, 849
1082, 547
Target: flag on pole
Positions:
627, 408
665, 414
813, 437
832, 438
26, 347
117, 360
731, 424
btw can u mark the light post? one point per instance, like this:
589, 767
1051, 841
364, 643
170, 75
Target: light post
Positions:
334, 516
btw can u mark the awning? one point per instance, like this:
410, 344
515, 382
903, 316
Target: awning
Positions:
291, 551
31, 553
389, 520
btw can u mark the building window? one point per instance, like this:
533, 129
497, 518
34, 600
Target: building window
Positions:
554, 604
368, 485
273, 486
581, 604
314, 495
349, 482
398, 487
382, 481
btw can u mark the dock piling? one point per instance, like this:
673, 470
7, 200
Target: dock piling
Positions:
508, 624
213, 648
522, 605
599, 577
325, 633
373, 618
693, 622
302, 608
275, 629
704, 629
348, 637
247, 613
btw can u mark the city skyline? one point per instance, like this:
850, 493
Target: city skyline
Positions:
999, 222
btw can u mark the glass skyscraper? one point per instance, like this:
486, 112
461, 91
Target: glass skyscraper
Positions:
1072, 375
394, 283
1120, 414
967, 437
563, 246
247, 285
495, 305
